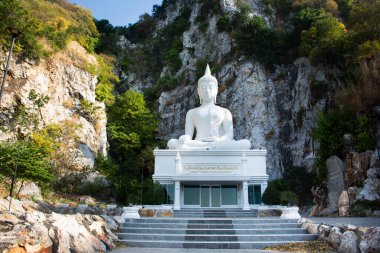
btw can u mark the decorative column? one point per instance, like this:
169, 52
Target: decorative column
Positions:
177, 195
177, 164
244, 162
245, 196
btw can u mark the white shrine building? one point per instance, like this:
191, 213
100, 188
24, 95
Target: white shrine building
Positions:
211, 178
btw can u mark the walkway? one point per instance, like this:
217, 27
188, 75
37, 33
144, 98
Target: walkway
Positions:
357, 221
163, 250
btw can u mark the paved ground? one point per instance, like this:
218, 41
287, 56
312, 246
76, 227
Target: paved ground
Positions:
161, 250
357, 221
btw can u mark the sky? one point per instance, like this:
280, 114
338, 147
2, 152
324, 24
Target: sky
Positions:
118, 12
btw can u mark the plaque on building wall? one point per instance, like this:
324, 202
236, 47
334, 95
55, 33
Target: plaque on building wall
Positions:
210, 169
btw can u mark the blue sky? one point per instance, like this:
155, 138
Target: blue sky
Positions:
118, 12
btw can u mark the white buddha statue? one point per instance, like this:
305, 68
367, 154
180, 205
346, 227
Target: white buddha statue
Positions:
212, 123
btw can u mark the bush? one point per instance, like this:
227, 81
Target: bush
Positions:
30, 160
89, 110
326, 41
278, 192
300, 182
288, 198
271, 196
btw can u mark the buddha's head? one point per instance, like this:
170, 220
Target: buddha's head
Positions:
207, 87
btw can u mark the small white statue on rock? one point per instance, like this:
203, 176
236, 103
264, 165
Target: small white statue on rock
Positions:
212, 123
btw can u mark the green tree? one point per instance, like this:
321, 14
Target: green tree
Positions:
329, 132
131, 124
31, 161
326, 41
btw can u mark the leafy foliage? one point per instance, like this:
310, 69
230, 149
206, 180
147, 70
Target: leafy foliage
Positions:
131, 125
300, 182
47, 26
132, 128
163, 84
13, 14
326, 41
30, 160
330, 130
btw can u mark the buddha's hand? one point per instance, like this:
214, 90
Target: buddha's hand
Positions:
184, 138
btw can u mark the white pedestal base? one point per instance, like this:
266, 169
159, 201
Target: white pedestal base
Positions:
131, 212
290, 213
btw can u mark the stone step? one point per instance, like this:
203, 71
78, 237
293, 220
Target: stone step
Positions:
211, 221
217, 238
202, 245
211, 226
182, 231
214, 213
232, 215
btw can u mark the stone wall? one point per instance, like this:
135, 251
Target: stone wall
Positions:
32, 227
346, 238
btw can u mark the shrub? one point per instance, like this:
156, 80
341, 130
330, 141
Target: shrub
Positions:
106, 80
224, 23
300, 182
89, 110
326, 41
288, 198
30, 160
271, 195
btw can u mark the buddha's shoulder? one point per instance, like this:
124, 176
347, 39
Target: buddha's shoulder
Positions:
223, 109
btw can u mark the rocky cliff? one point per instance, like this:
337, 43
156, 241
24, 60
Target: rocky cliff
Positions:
275, 109
63, 78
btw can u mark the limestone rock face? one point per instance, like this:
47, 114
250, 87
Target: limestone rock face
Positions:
371, 189
59, 78
275, 110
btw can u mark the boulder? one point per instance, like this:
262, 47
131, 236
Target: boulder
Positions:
323, 231
371, 188
8, 218
352, 193
320, 198
335, 237
112, 224
370, 241
16, 205
101, 231
356, 168
119, 220
344, 204
314, 211
26, 238
335, 180
69, 234
349, 243
329, 212
88, 200
28, 190
34, 217
312, 228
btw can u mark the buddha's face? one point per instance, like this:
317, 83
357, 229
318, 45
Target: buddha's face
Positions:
207, 91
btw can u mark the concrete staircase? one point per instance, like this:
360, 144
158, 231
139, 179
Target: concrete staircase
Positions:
211, 233
215, 213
